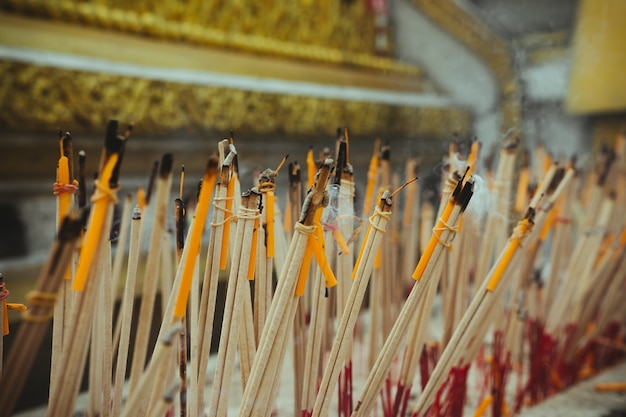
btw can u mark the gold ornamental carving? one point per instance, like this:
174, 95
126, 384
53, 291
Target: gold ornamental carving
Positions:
332, 32
493, 50
43, 98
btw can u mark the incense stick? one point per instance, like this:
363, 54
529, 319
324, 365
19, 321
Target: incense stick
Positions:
361, 275
442, 235
268, 360
35, 320
126, 312
233, 309
150, 279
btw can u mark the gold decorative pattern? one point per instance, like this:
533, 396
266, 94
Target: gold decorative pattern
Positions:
543, 47
42, 98
333, 32
489, 47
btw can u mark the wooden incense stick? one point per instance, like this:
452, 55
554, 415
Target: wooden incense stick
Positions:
234, 305
35, 320
221, 216
470, 326
126, 312
442, 236
73, 358
150, 279
362, 272
268, 359
177, 304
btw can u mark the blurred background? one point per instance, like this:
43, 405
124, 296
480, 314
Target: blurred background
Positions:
283, 75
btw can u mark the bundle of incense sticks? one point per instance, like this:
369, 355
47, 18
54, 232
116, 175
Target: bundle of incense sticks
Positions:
541, 306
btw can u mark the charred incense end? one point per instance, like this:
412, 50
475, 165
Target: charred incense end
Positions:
294, 173
70, 229
153, 172
556, 180
129, 130
466, 194
112, 142
167, 163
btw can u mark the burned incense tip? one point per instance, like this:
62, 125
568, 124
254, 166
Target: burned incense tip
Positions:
402, 187
153, 172
385, 152
294, 173
129, 130
466, 194
607, 159
115, 176
510, 146
179, 215
112, 142
556, 180
167, 163
70, 228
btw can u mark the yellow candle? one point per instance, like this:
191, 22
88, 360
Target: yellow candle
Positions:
194, 240
104, 196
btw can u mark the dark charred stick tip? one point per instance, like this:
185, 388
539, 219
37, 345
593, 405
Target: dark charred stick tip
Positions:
153, 172
115, 176
167, 163
530, 214
556, 180
112, 143
466, 194
385, 152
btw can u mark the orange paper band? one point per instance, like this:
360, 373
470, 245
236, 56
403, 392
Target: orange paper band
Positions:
104, 195
341, 242
269, 216
513, 244
432, 243
306, 260
208, 183
320, 257
253, 250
